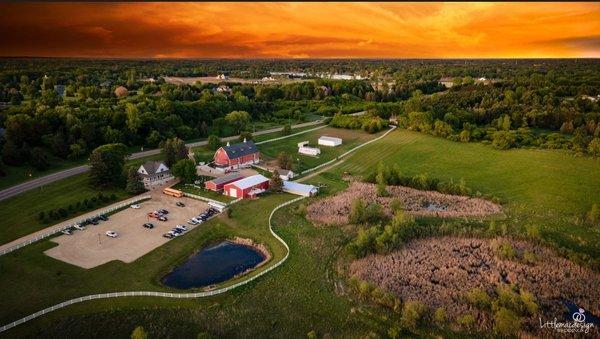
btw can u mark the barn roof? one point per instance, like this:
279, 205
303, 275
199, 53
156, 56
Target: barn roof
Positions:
226, 178
241, 149
250, 181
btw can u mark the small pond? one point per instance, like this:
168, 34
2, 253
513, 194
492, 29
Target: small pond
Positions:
213, 265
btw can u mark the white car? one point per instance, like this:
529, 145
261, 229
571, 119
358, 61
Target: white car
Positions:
112, 234
135, 206
181, 227
67, 232
79, 227
192, 222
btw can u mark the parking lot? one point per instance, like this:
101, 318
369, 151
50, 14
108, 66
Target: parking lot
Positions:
91, 247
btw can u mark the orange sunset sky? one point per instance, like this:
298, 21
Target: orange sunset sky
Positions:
301, 30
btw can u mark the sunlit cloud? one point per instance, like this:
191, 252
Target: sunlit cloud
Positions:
300, 30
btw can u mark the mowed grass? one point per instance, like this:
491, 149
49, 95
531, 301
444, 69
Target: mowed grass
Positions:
351, 138
550, 189
31, 281
20, 213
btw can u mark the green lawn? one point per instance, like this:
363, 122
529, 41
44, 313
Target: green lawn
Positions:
17, 175
20, 213
548, 188
551, 189
203, 193
351, 138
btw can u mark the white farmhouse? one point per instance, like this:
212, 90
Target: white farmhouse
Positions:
329, 141
154, 173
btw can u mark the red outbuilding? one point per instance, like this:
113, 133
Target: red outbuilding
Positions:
247, 188
231, 157
217, 184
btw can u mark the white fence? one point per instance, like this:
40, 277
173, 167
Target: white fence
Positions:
163, 294
199, 197
291, 135
347, 152
60, 229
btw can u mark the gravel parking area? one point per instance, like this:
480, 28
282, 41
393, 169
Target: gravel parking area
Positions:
91, 247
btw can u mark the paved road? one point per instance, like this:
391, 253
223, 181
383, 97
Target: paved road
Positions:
50, 178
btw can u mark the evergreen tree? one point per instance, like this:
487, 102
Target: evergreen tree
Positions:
134, 182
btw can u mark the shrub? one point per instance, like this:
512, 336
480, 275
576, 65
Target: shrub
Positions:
504, 139
440, 317
466, 321
503, 249
506, 322
593, 215
412, 314
42, 216
139, 333
479, 298
529, 258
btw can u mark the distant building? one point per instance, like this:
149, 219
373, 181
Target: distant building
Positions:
285, 174
232, 157
329, 141
247, 188
154, 173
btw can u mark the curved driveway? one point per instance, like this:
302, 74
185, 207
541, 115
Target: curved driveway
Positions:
50, 178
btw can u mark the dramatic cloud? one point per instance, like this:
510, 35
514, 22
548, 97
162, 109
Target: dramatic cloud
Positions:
290, 30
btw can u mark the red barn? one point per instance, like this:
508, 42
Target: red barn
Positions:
217, 184
231, 157
247, 187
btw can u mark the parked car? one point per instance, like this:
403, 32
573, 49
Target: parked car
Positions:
180, 204
103, 217
93, 221
162, 218
168, 236
192, 222
181, 227
67, 232
197, 220
79, 227
148, 225
112, 234
135, 206
163, 211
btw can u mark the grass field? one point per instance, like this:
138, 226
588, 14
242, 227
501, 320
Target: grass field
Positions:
20, 213
547, 188
203, 193
550, 189
351, 138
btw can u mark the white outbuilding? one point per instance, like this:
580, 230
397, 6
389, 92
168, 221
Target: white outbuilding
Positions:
309, 150
299, 189
329, 141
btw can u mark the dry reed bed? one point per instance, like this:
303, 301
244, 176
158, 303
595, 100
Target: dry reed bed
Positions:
335, 209
440, 271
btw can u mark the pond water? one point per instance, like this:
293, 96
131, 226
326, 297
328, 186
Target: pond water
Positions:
213, 265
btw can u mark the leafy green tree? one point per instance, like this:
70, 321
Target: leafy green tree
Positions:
287, 129
594, 147
106, 163
174, 149
134, 121
357, 211
153, 138
285, 161
134, 182
214, 142
440, 317
238, 119
185, 170
276, 182
139, 333
247, 136
39, 159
